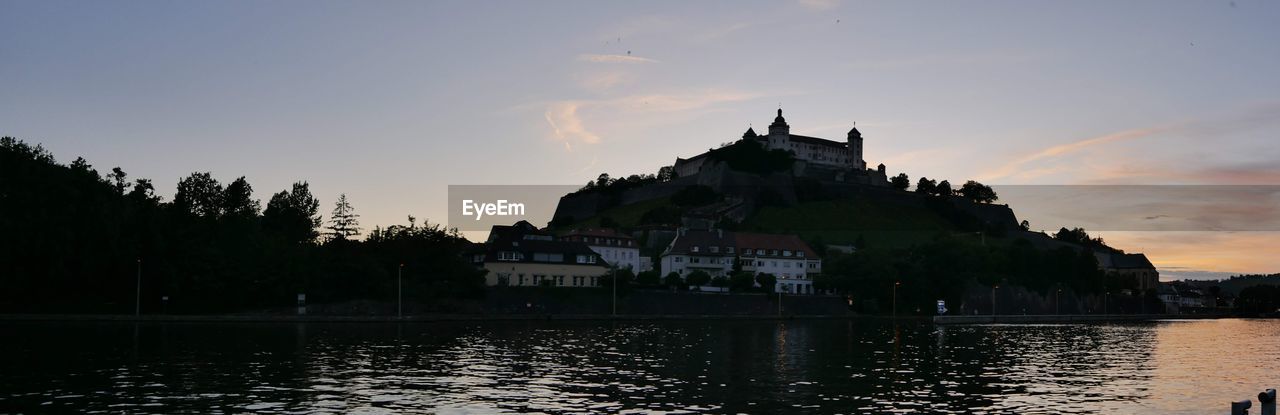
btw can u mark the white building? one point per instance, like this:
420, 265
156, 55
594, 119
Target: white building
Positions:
787, 257
619, 250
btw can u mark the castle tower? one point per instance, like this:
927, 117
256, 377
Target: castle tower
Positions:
855, 149
779, 133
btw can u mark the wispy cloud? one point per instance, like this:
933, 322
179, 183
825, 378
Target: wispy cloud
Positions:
568, 119
603, 81
1019, 167
946, 60
597, 58
1106, 160
566, 125
819, 4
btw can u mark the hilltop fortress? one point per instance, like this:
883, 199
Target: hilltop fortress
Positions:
838, 168
814, 150
818, 158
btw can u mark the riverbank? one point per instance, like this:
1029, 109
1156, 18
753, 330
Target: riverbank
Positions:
428, 318
1067, 318
269, 318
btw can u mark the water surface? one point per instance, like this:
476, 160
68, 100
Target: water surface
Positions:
799, 366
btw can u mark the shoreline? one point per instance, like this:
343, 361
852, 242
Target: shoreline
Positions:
432, 318
1068, 318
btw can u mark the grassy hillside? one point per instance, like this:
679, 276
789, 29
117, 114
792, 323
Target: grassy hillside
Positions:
626, 216
844, 221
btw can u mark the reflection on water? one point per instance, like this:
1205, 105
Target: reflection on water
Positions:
602, 367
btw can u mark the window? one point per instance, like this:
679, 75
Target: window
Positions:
545, 257
477, 258
695, 260
586, 259
694, 249
715, 249
799, 265
559, 280
728, 249
746, 251
679, 259
786, 253
800, 254
504, 279
508, 256
520, 277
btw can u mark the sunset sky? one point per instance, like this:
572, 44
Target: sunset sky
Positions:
391, 101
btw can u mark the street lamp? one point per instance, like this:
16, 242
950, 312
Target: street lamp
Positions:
400, 291
895, 298
1106, 297
137, 295
993, 298
1057, 302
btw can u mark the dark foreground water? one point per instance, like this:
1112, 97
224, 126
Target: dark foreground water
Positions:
821, 366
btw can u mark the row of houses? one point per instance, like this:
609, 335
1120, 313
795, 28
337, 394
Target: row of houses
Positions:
719, 252
524, 255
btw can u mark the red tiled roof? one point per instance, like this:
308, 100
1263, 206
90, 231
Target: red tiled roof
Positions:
818, 141
739, 241
782, 242
597, 232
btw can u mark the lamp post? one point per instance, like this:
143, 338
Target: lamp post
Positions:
993, 298
137, 295
613, 281
400, 292
1057, 302
895, 298
1106, 296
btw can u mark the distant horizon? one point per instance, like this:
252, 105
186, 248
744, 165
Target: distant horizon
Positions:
404, 99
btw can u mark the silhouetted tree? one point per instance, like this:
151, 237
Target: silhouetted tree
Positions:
943, 189
666, 173
237, 200
119, 178
741, 281
698, 278
293, 214
900, 182
926, 186
343, 222
978, 192
649, 278
767, 281
673, 280
199, 195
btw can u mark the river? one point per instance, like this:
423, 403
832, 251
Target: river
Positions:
762, 366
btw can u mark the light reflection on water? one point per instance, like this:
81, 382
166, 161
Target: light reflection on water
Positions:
827, 366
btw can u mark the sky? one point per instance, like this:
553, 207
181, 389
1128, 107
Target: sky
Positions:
390, 102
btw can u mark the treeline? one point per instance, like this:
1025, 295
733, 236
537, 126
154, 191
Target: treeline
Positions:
941, 269
972, 190
77, 241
